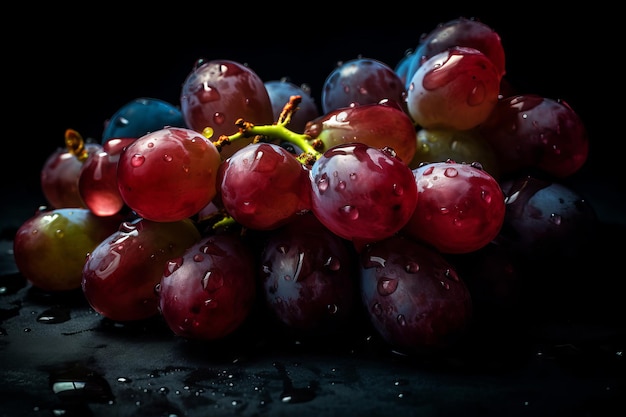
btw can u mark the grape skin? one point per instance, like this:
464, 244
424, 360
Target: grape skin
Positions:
168, 175
209, 291
413, 296
263, 186
280, 91
362, 193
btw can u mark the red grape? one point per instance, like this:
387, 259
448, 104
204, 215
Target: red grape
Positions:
169, 174
263, 186
456, 89
97, 181
378, 125
120, 274
219, 92
60, 174
362, 193
209, 291
460, 207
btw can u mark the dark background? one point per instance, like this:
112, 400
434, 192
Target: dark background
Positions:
75, 68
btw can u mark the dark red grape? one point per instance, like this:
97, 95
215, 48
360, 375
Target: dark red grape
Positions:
413, 296
308, 276
209, 291
120, 274
456, 89
168, 175
460, 207
263, 186
529, 131
362, 193
361, 81
379, 125
219, 92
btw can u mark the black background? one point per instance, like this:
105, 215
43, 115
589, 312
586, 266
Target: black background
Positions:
74, 68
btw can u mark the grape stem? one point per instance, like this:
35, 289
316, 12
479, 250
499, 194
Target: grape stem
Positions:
311, 148
75, 145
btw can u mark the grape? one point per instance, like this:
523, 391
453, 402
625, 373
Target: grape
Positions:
361, 81
263, 186
60, 174
219, 92
456, 89
545, 219
209, 291
169, 174
362, 193
50, 247
307, 276
142, 116
378, 125
529, 131
469, 146
457, 32
97, 180
413, 296
460, 207
280, 91
120, 274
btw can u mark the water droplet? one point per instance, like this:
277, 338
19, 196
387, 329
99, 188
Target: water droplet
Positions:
387, 286
341, 185
377, 309
333, 263
486, 196
172, 265
555, 218
401, 320
332, 308
412, 267
167, 158
198, 258
428, 171
450, 172
351, 212
322, 184
54, 315
212, 281
219, 118
137, 160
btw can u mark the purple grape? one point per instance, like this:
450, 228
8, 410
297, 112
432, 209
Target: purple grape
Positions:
413, 296
308, 276
361, 81
280, 92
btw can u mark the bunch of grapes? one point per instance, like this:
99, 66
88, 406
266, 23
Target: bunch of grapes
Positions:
248, 195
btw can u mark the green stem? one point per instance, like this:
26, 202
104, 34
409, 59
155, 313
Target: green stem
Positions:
310, 148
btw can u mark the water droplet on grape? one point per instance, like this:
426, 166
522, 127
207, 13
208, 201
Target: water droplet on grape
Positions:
450, 172
375, 261
172, 265
332, 308
377, 309
219, 118
341, 185
212, 281
445, 285
412, 267
137, 160
198, 258
167, 158
333, 263
555, 218
387, 286
59, 233
351, 212
401, 320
